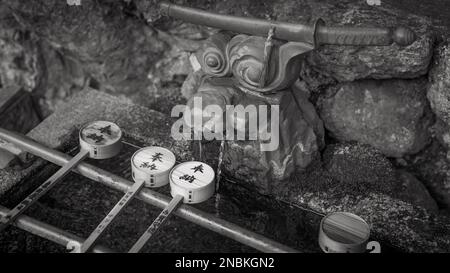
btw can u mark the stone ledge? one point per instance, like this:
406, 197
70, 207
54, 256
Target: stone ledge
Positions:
395, 222
59, 131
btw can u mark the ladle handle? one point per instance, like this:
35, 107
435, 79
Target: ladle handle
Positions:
162, 217
123, 202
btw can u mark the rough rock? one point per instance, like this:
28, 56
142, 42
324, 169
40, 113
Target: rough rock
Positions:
63, 76
191, 84
313, 82
438, 12
339, 62
34, 65
19, 55
101, 44
393, 221
432, 167
95, 44
390, 115
439, 77
360, 167
299, 143
175, 61
441, 132
415, 192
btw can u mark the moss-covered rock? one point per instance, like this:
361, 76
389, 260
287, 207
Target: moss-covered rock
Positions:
360, 168
390, 115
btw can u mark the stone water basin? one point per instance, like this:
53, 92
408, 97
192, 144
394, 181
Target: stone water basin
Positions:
78, 204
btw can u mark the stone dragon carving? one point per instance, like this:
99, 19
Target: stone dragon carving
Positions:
253, 62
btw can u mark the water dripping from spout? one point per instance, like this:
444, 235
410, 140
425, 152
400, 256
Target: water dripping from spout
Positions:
219, 176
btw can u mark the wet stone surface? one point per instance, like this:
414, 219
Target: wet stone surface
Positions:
139, 122
77, 205
394, 222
